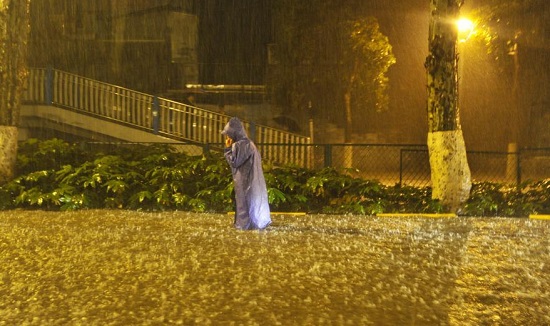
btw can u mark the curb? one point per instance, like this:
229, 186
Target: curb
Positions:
279, 213
539, 217
445, 215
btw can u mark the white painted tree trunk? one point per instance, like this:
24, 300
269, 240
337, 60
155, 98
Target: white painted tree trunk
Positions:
451, 178
8, 152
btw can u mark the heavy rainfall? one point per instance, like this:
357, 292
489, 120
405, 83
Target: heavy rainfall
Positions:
318, 84
133, 44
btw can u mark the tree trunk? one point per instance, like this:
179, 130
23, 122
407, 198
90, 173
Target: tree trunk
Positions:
347, 102
451, 180
348, 130
348, 149
8, 152
349, 119
14, 28
449, 168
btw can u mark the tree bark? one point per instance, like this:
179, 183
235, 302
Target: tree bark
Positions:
450, 173
14, 28
349, 119
451, 181
348, 149
8, 152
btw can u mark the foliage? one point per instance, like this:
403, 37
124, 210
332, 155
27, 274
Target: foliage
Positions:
496, 199
404, 199
325, 51
36, 155
501, 24
286, 189
369, 56
59, 176
537, 195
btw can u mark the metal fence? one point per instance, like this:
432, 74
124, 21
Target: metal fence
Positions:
409, 165
389, 164
397, 164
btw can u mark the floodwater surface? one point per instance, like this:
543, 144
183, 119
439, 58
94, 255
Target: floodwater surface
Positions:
108, 267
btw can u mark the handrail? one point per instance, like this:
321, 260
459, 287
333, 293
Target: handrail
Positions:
155, 114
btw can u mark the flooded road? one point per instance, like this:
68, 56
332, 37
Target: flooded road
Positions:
119, 268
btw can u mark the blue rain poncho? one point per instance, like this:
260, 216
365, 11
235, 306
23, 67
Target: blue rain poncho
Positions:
252, 207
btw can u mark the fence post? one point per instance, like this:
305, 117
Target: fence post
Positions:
48, 86
512, 162
518, 164
156, 115
328, 155
401, 167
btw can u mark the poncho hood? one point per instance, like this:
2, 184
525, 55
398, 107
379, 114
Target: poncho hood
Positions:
234, 129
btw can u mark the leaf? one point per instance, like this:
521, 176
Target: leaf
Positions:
142, 195
275, 196
197, 205
116, 186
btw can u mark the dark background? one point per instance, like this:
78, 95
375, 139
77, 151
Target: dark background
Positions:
233, 39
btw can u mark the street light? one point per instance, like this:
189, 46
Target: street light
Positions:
465, 29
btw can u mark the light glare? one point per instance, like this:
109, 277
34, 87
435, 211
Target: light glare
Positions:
465, 29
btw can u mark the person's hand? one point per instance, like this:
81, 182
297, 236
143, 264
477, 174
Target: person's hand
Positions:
228, 142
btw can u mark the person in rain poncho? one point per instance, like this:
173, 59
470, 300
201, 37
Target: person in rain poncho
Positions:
252, 207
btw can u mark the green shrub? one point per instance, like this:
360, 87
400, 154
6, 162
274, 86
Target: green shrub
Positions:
497, 199
537, 195
55, 175
35, 155
286, 191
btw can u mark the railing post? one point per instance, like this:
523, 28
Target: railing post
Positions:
253, 131
48, 86
156, 115
328, 155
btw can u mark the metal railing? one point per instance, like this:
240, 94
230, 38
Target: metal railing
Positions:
151, 113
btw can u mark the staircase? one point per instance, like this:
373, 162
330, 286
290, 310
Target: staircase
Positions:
129, 115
